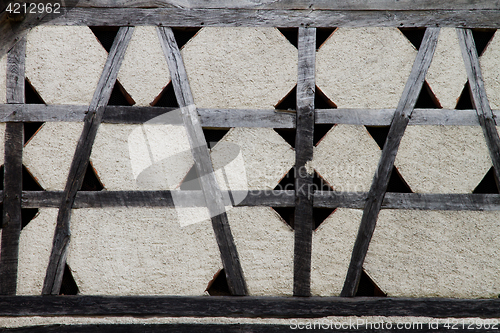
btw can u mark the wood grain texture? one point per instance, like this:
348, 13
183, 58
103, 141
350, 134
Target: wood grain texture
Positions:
296, 4
455, 202
196, 17
485, 116
102, 199
246, 307
13, 168
386, 162
355, 200
304, 147
57, 261
225, 118
201, 156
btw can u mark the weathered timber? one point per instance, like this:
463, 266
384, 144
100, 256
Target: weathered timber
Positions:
456, 202
102, 199
296, 4
201, 156
479, 99
356, 200
57, 261
383, 117
13, 167
246, 307
226, 118
386, 162
195, 17
304, 146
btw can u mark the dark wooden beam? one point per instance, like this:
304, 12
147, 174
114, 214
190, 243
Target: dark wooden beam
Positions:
246, 307
454, 202
57, 261
355, 200
102, 199
304, 146
386, 162
201, 156
485, 116
13, 168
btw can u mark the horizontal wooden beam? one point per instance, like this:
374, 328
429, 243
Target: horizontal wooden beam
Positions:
101, 199
225, 118
389, 16
456, 202
322, 199
292, 4
246, 306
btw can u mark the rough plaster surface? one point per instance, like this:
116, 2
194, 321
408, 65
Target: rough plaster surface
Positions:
49, 153
141, 157
446, 75
3, 72
64, 63
265, 247
443, 159
332, 245
347, 158
440, 253
240, 67
491, 71
34, 251
267, 156
141, 251
364, 67
144, 72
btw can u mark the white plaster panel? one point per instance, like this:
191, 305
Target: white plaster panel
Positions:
265, 247
35, 245
435, 254
48, 155
240, 67
347, 158
141, 251
332, 246
64, 64
364, 67
144, 72
443, 159
446, 75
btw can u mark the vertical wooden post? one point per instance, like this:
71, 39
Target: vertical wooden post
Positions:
479, 97
304, 145
386, 162
210, 187
57, 261
13, 164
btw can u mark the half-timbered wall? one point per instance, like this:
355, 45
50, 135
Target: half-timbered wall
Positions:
335, 161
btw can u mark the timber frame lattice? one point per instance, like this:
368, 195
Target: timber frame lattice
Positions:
306, 16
